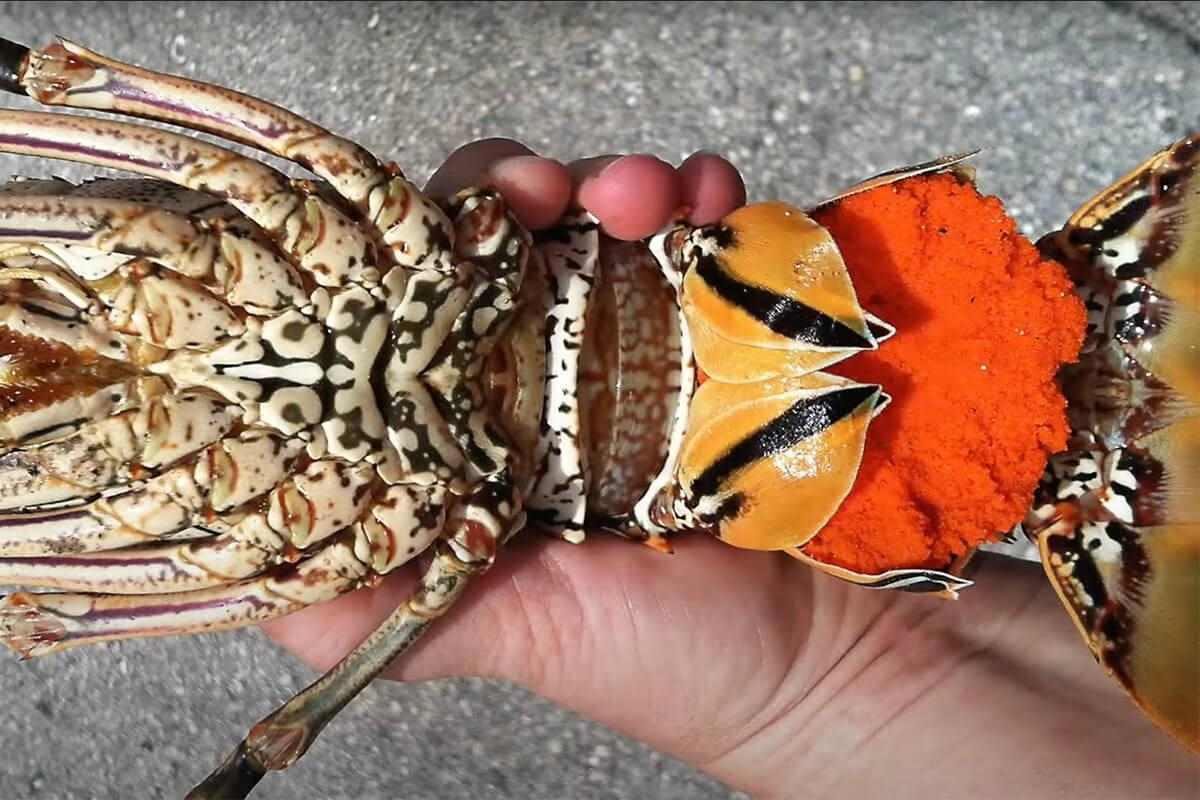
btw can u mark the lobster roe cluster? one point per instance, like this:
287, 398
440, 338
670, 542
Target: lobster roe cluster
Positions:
984, 323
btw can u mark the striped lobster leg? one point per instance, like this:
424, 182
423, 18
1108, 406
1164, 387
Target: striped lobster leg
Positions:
413, 228
35, 625
195, 498
318, 554
301, 512
297, 219
111, 454
109, 234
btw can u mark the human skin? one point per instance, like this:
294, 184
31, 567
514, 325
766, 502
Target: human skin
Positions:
777, 680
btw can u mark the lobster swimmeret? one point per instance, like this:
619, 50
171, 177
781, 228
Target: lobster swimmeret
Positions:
228, 394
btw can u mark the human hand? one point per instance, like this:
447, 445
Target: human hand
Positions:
777, 680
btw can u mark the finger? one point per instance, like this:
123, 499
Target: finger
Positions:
467, 165
711, 187
632, 196
536, 189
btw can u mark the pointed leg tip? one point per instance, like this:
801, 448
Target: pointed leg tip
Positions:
233, 780
660, 544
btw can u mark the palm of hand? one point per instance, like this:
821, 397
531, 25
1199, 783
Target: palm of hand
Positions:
780, 681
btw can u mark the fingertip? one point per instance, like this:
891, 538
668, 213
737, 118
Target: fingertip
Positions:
466, 165
536, 189
711, 187
632, 197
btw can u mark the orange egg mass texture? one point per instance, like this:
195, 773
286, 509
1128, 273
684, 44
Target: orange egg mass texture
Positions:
983, 325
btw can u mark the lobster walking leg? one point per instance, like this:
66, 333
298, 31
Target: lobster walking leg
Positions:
480, 526
74, 530
396, 526
299, 513
194, 269
35, 625
113, 452
293, 214
204, 491
241, 264
65, 74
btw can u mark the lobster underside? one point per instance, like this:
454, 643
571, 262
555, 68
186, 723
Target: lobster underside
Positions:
1116, 518
227, 394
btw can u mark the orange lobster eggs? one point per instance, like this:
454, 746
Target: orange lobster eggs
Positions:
983, 325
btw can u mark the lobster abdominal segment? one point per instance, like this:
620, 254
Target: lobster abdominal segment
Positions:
558, 500
631, 384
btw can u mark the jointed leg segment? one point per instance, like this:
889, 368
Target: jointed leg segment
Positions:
68, 75
278, 741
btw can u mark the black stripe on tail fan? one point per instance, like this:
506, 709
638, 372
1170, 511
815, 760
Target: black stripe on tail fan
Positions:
782, 314
806, 418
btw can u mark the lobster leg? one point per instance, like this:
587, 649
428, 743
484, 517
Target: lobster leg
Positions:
204, 491
65, 74
77, 530
277, 742
154, 569
298, 219
112, 247
113, 452
36, 625
246, 268
396, 526
301, 512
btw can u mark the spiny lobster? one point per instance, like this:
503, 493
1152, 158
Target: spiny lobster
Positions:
227, 395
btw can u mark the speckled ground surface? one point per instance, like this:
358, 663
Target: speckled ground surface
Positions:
805, 98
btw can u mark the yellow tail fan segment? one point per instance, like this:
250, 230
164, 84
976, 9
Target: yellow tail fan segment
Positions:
772, 461
773, 445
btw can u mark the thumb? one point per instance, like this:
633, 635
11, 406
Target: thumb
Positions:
536, 189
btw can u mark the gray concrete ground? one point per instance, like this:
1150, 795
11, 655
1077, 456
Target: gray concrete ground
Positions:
805, 98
